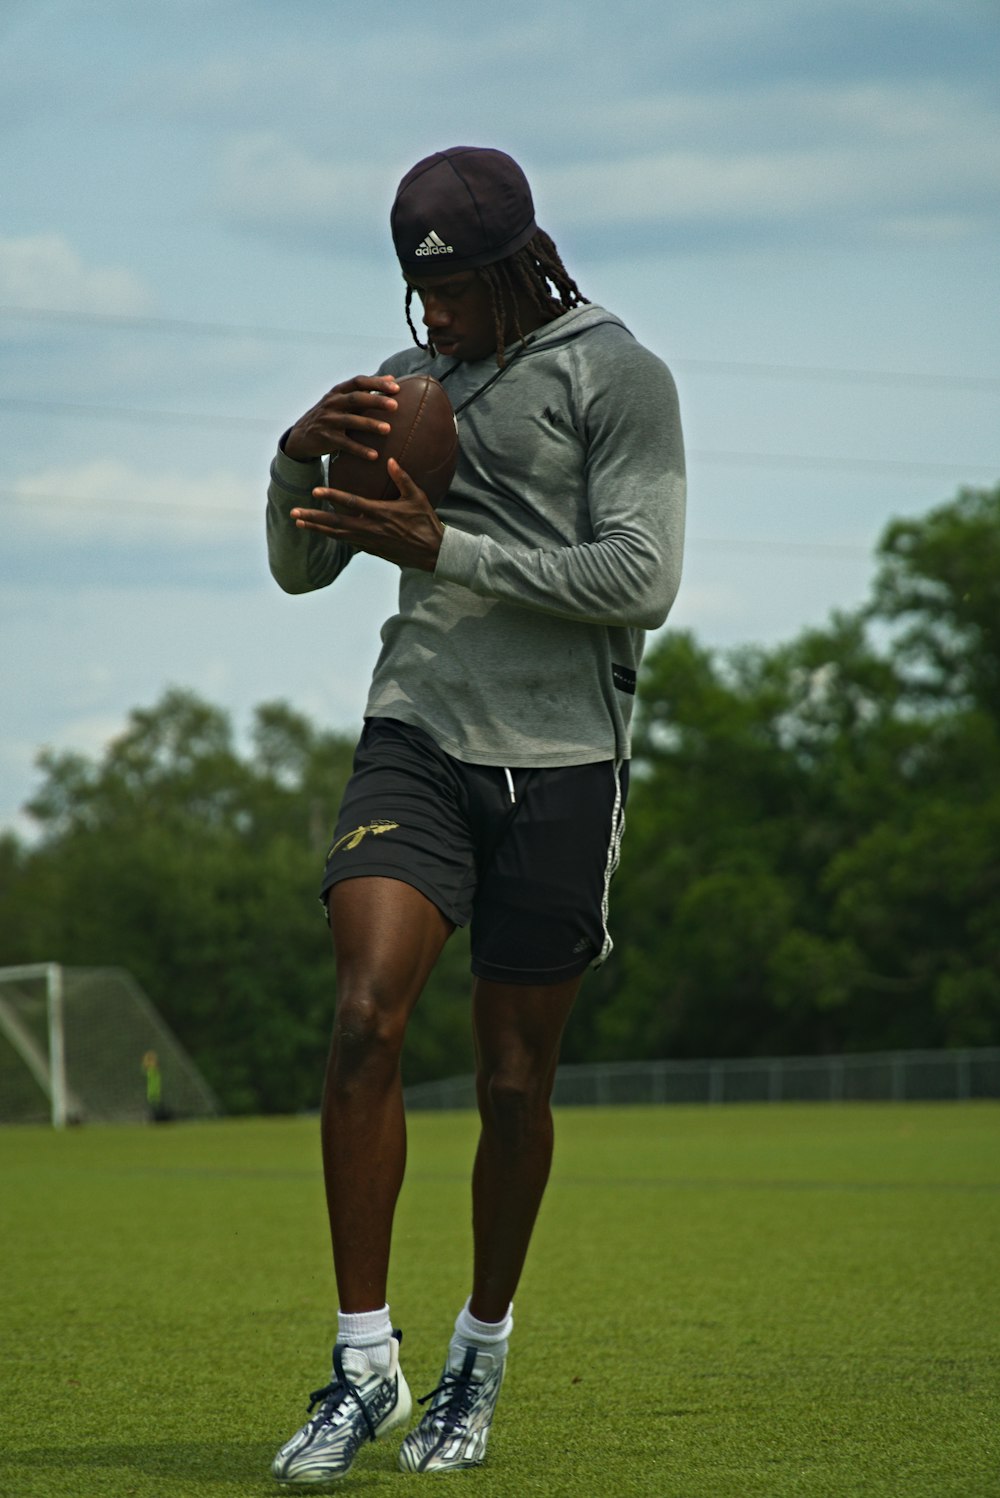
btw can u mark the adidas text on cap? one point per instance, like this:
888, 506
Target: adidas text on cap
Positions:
434, 245
460, 208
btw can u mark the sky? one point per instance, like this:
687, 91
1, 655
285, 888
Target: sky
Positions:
796, 205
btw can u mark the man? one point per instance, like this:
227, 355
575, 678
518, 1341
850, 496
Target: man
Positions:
490, 780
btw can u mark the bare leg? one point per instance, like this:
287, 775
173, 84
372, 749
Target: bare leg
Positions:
518, 1030
387, 937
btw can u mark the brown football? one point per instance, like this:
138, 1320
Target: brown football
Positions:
423, 440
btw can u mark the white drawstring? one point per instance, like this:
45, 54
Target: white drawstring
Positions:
510, 785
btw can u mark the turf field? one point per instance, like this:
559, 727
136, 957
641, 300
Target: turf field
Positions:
721, 1303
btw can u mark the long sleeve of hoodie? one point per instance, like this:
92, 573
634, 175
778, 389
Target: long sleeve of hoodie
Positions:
300, 561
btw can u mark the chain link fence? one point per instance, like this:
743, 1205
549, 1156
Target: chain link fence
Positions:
881, 1076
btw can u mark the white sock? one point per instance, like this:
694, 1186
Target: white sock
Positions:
491, 1336
371, 1333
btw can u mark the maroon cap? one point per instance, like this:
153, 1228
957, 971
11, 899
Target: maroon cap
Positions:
460, 208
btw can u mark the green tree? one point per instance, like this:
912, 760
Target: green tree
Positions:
196, 866
939, 583
780, 889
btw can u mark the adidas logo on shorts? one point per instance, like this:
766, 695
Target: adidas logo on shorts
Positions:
434, 245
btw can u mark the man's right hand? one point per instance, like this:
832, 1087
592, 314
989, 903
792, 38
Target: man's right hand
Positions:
343, 416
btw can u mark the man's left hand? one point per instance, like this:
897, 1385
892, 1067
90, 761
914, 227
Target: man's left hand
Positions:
405, 531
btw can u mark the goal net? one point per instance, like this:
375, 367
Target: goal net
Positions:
85, 1045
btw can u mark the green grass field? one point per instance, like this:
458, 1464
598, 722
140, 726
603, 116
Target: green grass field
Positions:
735, 1302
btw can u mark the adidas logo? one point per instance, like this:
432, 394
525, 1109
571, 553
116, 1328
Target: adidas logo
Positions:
434, 245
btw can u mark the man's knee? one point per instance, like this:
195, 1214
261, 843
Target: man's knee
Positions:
514, 1105
368, 1033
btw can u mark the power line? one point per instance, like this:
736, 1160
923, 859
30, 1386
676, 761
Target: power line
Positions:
834, 549
188, 326
841, 465
136, 508
194, 327
729, 458
131, 414
901, 378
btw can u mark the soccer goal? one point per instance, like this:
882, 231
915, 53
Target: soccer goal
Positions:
85, 1045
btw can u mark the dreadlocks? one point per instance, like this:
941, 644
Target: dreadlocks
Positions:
535, 270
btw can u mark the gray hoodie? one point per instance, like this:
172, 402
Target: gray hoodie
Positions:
563, 540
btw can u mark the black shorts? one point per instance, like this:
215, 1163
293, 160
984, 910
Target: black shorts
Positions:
526, 854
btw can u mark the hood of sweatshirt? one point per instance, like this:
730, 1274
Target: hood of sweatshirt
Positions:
466, 381
567, 326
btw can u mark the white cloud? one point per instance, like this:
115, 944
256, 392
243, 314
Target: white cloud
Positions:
884, 159
755, 114
44, 270
898, 161
266, 178
121, 502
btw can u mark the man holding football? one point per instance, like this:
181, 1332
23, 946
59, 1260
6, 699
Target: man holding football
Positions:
490, 779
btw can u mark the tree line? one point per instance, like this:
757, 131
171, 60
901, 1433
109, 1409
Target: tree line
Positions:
812, 859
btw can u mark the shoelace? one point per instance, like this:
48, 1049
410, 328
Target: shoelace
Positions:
335, 1391
457, 1392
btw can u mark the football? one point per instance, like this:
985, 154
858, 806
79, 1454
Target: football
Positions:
423, 440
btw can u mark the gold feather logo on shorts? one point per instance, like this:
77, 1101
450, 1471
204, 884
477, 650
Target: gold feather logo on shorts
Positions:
352, 839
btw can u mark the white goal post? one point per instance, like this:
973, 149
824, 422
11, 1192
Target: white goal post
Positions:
84, 1045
